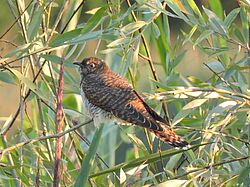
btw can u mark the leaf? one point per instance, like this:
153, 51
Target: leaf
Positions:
7, 77
216, 66
216, 7
231, 17
204, 35
173, 161
245, 24
75, 38
188, 37
187, 110
173, 183
122, 176
215, 22
144, 160
177, 9
56, 59
135, 170
220, 109
35, 23
88, 162
30, 85
156, 30
132, 27
20, 50
62, 38
95, 20
118, 42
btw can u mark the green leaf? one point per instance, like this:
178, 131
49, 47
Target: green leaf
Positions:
88, 162
74, 37
173, 183
216, 66
35, 23
215, 22
187, 110
31, 85
144, 160
231, 17
7, 77
95, 20
132, 27
177, 10
19, 51
203, 36
156, 30
118, 42
245, 23
60, 39
57, 60
216, 7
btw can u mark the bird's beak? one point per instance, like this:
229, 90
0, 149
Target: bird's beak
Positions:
77, 63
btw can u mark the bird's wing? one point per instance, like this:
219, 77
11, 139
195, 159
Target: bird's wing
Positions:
156, 116
123, 103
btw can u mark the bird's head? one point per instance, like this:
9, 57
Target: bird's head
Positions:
91, 65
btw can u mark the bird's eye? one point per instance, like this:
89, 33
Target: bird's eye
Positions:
92, 65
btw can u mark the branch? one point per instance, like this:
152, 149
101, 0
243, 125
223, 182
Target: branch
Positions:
208, 166
59, 118
182, 90
34, 140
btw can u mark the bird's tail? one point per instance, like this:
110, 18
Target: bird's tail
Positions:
170, 137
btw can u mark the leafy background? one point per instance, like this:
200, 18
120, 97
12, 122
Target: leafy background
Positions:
189, 58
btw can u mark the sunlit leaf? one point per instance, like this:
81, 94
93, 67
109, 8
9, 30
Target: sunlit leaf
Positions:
132, 27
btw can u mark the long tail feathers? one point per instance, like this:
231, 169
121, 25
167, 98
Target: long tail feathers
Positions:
170, 137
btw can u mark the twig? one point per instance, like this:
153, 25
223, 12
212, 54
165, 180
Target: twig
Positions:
38, 172
208, 166
195, 89
12, 25
34, 140
59, 116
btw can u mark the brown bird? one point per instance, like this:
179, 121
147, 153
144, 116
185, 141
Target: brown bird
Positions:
107, 95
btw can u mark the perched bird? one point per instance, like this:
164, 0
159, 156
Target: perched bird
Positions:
107, 95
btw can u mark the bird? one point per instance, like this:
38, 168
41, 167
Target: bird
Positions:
107, 96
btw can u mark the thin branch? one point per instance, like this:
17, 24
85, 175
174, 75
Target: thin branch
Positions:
59, 116
214, 165
34, 140
17, 19
195, 89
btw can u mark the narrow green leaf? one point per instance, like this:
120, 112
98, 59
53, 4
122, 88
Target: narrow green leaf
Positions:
187, 110
88, 162
31, 85
245, 23
196, 10
94, 21
35, 23
173, 183
19, 50
144, 160
75, 37
215, 22
203, 36
216, 7
60, 39
118, 42
7, 77
156, 30
177, 10
56, 59
132, 27
231, 17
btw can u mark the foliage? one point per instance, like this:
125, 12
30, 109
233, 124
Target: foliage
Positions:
212, 114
